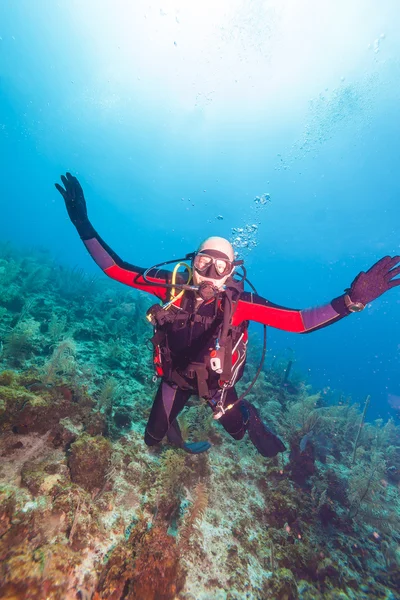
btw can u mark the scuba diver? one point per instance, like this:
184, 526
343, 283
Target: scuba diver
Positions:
200, 327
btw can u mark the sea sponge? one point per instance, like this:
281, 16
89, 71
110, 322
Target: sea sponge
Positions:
146, 567
89, 461
21, 410
157, 572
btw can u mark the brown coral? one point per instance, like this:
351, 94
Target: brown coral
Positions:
89, 461
146, 567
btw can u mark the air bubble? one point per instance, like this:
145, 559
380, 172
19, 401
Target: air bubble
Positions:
244, 238
263, 199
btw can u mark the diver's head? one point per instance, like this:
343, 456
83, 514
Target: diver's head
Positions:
213, 263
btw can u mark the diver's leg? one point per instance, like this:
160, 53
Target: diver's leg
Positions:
266, 441
233, 421
168, 403
244, 417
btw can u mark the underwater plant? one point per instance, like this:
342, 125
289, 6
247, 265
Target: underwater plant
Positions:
359, 429
61, 363
194, 515
20, 340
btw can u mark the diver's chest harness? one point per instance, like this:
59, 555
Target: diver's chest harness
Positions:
224, 344
217, 343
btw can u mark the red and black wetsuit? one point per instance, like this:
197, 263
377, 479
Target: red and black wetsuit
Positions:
171, 397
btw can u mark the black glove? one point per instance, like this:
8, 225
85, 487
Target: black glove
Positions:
74, 200
376, 281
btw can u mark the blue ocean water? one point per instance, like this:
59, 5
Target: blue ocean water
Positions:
176, 117
273, 123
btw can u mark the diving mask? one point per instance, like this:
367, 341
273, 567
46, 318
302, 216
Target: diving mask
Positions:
212, 266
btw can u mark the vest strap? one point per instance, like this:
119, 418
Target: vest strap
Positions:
196, 371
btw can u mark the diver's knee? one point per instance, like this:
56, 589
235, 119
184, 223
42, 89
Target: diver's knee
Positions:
239, 434
236, 435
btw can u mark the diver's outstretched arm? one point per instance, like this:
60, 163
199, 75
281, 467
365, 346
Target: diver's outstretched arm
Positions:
105, 258
366, 287
251, 307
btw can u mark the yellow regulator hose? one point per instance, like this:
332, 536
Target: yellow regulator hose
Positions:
173, 281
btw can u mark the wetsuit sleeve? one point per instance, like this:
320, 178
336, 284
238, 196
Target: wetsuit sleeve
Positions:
116, 268
251, 307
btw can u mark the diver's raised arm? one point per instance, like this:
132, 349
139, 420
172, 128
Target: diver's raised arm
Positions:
366, 287
102, 254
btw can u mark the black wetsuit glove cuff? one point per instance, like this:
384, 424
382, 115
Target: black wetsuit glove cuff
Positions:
85, 229
338, 304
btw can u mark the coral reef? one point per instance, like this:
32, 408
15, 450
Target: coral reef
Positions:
88, 511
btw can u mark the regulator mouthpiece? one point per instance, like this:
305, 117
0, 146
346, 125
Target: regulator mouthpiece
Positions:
207, 290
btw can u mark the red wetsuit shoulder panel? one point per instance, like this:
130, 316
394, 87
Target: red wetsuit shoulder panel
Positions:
135, 279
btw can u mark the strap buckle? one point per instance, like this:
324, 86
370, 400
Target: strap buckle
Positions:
219, 411
218, 407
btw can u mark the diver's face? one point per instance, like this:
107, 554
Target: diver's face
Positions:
211, 267
218, 283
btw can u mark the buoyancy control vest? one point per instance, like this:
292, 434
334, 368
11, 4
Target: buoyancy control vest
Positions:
198, 348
